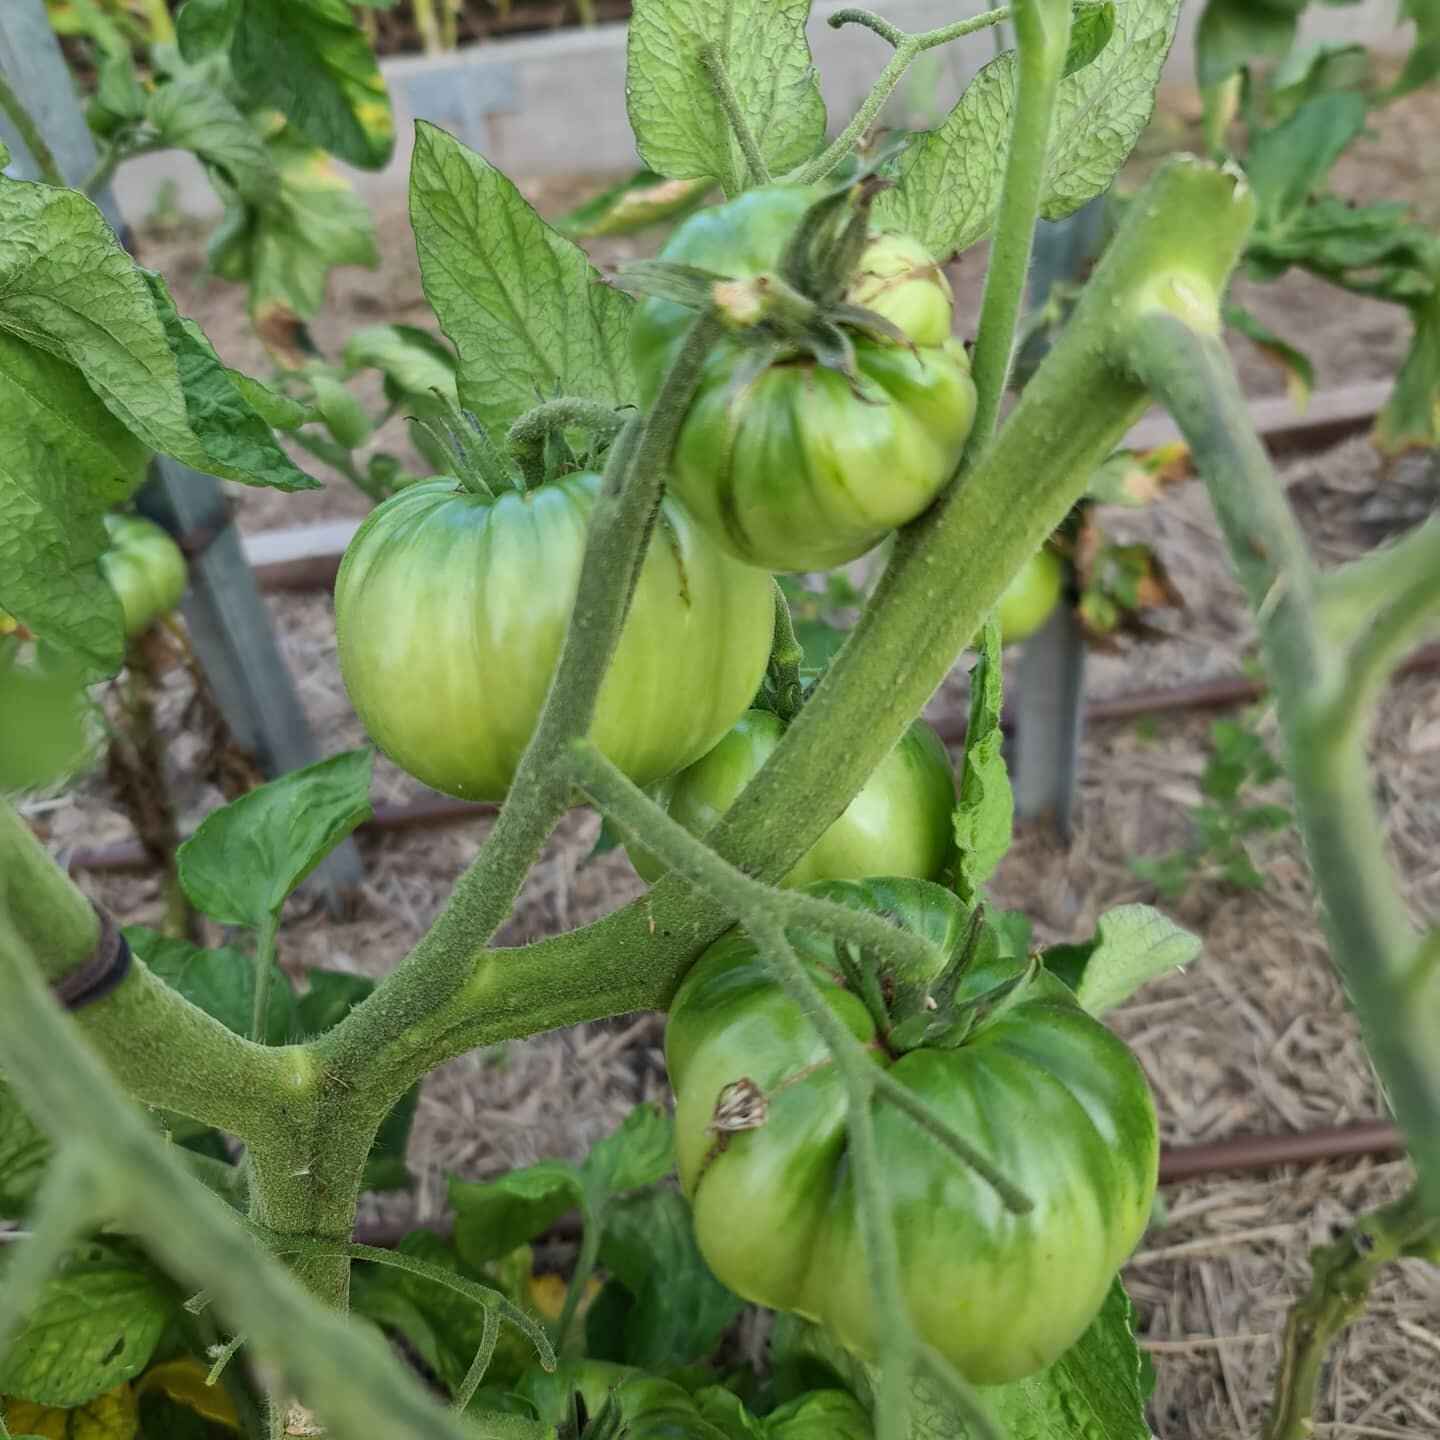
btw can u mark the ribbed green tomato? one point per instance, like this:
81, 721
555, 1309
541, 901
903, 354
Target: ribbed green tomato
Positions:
1031, 596
797, 469
145, 569
899, 824
1044, 1091
451, 606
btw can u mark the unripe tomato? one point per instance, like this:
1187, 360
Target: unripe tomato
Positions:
451, 606
796, 468
899, 824
1031, 596
1041, 1089
145, 569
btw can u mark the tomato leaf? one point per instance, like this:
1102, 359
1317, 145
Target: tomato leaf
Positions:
1232, 35
1092, 24
493, 1218
986, 811
949, 179
204, 27
1288, 162
310, 60
24, 1153
643, 200
1132, 945
95, 1325
639, 1153
1093, 1389
680, 1309
680, 129
111, 1416
198, 118
413, 361
246, 858
1410, 419
520, 303
285, 247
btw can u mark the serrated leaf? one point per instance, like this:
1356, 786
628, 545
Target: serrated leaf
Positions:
24, 1153
639, 1153
198, 118
986, 810
1093, 1390
680, 1308
680, 129
1133, 944
520, 303
493, 1218
310, 60
949, 179
246, 858
285, 248
221, 982
95, 1325
238, 442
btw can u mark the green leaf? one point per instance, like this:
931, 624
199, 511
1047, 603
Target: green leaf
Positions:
1299, 372
1289, 161
680, 1308
221, 982
246, 858
343, 412
310, 60
329, 998
639, 1153
198, 118
239, 443
520, 303
24, 1153
385, 1167
205, 27
413, 361
1092, 24
820, 1415
280, 412
493, 1218
949, 179
285, 249
1093, 1390
986, 809
645, 199
95, 1325
1318, 69
1232, 35
1132, 945
680, 129
1410, 419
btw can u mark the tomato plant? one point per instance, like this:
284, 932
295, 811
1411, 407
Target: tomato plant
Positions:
899, 824
889, 1120
145, 569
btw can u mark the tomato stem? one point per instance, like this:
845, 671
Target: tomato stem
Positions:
529, 437
786, 658
712, 58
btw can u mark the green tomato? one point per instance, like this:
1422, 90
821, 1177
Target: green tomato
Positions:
1031, 596
899, 824
450, 609
145, 569
1040, 1088
796, 468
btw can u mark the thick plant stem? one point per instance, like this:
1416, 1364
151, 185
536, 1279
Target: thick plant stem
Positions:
907, 47
619, 532
1372, 940
1042, 29
29, 132
163, 1050
347, 1373
1341, 1276
786, 658
758, 173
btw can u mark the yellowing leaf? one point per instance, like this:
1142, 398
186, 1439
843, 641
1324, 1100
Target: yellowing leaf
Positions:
111, 1416
183, 1380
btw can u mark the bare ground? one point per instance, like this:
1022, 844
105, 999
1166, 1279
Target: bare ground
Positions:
1254, 1037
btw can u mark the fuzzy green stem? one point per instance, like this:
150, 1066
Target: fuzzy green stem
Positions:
764, 911
619, 532
1042, 29
758, 172
1341, 1276
585, 1262
907, 47
264, 973
484, 1353
346, 1372
163, 1050
29, 132
527, 436
1371, 938
786, 658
